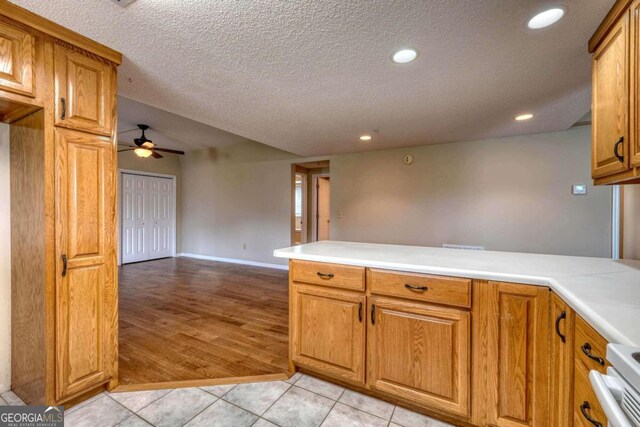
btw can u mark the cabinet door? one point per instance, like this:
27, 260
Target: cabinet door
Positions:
420, 353
328, 330
86, 310
16, 60
610, 102
562, 337
634, 69
517, 354
84, 89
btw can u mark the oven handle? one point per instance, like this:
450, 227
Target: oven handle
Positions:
609, 390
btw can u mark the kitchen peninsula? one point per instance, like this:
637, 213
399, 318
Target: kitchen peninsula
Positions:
434, 328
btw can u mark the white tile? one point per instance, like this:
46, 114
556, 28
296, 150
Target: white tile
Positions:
177, 407
218, 390
223, 414
295, 377
12, 399
256, 397
365, 403
103, 412
407, 418
136, 400
346, 416
83, 403
320, 387
134, 421
3, 403
299, 407
263, 423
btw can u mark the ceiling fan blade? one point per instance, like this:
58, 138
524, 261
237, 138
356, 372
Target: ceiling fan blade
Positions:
128, 130
126, 149
156, 155
167, 150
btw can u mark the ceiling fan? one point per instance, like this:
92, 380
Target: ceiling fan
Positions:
144, 147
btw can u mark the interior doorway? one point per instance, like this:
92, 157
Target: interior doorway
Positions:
310, 202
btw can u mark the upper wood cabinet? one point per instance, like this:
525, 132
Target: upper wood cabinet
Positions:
328, 331
512, 354
86, 286
610, 102
17, 57
562, 321
84, 92
420, 353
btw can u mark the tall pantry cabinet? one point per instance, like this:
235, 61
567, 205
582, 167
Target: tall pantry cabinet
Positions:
58, 93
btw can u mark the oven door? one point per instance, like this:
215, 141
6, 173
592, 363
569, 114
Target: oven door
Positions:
610, 389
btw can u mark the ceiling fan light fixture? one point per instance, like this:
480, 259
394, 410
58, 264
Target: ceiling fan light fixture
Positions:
148, 144
143, 152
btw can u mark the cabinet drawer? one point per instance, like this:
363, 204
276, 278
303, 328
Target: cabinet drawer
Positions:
585, 401
589, 342
336, 275
437, 289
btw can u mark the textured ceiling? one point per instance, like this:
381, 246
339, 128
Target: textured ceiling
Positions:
168, 130
310, 76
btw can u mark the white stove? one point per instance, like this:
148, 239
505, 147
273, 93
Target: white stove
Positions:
619, 390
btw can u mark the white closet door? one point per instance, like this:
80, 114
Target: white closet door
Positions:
134, 218
160, 230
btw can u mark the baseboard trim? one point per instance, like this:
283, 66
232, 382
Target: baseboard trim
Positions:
234, 261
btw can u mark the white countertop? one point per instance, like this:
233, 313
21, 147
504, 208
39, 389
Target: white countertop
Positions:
606, 293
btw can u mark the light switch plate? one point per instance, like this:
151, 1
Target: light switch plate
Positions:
578, 189
123, 3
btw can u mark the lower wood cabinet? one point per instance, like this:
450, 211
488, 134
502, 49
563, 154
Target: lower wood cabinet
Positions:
328, 331
420, 353
562, 337
511, 357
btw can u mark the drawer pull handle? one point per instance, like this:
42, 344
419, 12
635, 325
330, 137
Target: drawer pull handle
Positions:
616, 147
63, 105
586, 407
586, 349
562, 316
64, 265
373, 314
360, 312
416, 288
325, 276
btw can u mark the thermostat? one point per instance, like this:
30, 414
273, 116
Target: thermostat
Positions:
578, 189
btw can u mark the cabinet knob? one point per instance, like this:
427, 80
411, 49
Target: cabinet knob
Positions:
616, 151
586, 407
64, 265
586, 349
562, 315
63, 106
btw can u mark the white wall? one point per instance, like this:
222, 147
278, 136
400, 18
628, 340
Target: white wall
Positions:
5, 262
509, 194
236, 202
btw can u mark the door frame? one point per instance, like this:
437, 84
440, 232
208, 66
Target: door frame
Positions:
314, 203
174, 209
304, 236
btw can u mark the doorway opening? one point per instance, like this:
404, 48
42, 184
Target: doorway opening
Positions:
310, 202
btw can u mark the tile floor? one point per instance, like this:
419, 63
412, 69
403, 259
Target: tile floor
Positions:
301, 401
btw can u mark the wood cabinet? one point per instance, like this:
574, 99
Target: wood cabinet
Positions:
610, 102
328, 331
86, 285
17, 50
562, 337
64, 315
511, 354
84, 92
420, 353
615, 48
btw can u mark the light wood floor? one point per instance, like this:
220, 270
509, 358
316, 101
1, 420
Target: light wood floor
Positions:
185, 319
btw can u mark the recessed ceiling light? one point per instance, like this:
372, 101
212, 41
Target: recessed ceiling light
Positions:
404, 55
546, 18
522, 117
365, 138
